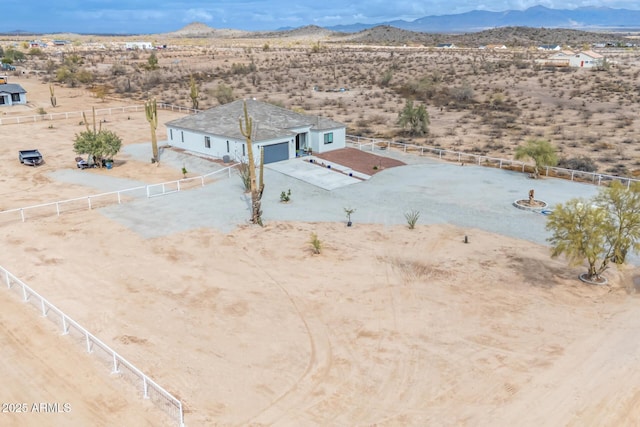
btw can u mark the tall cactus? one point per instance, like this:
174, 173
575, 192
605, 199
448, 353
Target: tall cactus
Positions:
194, 94
151, 110
53, 95
257, 188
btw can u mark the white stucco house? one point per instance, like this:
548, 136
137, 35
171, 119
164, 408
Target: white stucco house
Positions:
567, 58
12, 94
138, 45
586, 59
282, 133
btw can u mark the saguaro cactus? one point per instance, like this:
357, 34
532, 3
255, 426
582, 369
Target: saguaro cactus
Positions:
151, 110
194, 94
53, 95
257, 188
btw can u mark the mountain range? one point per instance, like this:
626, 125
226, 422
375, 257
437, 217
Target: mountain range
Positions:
591, 18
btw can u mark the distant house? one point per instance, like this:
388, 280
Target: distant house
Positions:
549, 47
586, 59
567, 58
282, 133
560, 59
496, 46
12, 94
446, 46
138, 45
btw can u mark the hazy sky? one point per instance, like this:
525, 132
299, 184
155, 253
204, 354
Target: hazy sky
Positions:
158, 16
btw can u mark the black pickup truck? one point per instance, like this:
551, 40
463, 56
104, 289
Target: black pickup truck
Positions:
30, 157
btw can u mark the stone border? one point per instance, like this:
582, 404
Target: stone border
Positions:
537, 209
603, 282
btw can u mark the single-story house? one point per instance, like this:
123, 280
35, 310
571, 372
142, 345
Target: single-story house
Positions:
445, 46
138, 45
12, 93
560, 59
282, 133
586, 59
567, 58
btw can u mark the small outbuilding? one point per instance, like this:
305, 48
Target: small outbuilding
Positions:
282, 133
12, 94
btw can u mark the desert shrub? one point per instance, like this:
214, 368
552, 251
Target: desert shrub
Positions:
316, 244
583, 163
223, 94
412, 217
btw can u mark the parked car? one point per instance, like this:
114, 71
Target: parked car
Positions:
8, 67
30, 157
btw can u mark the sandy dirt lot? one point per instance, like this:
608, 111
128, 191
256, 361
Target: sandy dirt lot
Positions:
387, 326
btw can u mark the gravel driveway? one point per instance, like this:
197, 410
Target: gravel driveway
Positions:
468, 196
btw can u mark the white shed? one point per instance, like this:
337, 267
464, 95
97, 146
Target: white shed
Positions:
11, 94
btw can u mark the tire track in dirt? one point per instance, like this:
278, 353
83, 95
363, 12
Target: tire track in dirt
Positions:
320, 362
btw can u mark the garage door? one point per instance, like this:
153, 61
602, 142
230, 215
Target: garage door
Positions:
276, 152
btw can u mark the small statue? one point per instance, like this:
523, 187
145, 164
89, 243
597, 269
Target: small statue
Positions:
531, 192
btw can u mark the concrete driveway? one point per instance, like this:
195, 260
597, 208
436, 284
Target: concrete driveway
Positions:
327, 179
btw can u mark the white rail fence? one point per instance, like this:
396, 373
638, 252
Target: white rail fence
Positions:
114, 197
371, 144
100, 112
118, 364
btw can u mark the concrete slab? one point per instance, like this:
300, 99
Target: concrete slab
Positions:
313, 174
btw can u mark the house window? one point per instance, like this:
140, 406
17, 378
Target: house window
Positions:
1, 100
171, 134
181, 136
228, 147
328, 138
207, 142
243, 153
15, 97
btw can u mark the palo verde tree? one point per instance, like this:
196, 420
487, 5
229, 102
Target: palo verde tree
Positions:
98, 144
151, 112
542, 152
414, 120
256, 188
600, 231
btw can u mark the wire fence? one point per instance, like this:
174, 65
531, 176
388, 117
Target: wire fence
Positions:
372, 144
118, 364
100, 112
114, 197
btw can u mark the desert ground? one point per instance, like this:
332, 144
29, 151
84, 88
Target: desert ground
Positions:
386, 326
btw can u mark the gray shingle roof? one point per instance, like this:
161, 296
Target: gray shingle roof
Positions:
12, 88
269, 121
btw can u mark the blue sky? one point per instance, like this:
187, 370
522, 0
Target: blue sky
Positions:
158, 16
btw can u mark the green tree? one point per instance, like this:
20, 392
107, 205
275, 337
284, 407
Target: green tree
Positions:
415, 120
600, 231
623, 210
542, 152
96, 143
577, 233
152, 62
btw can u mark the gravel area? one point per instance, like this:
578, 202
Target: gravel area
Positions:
468, 196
